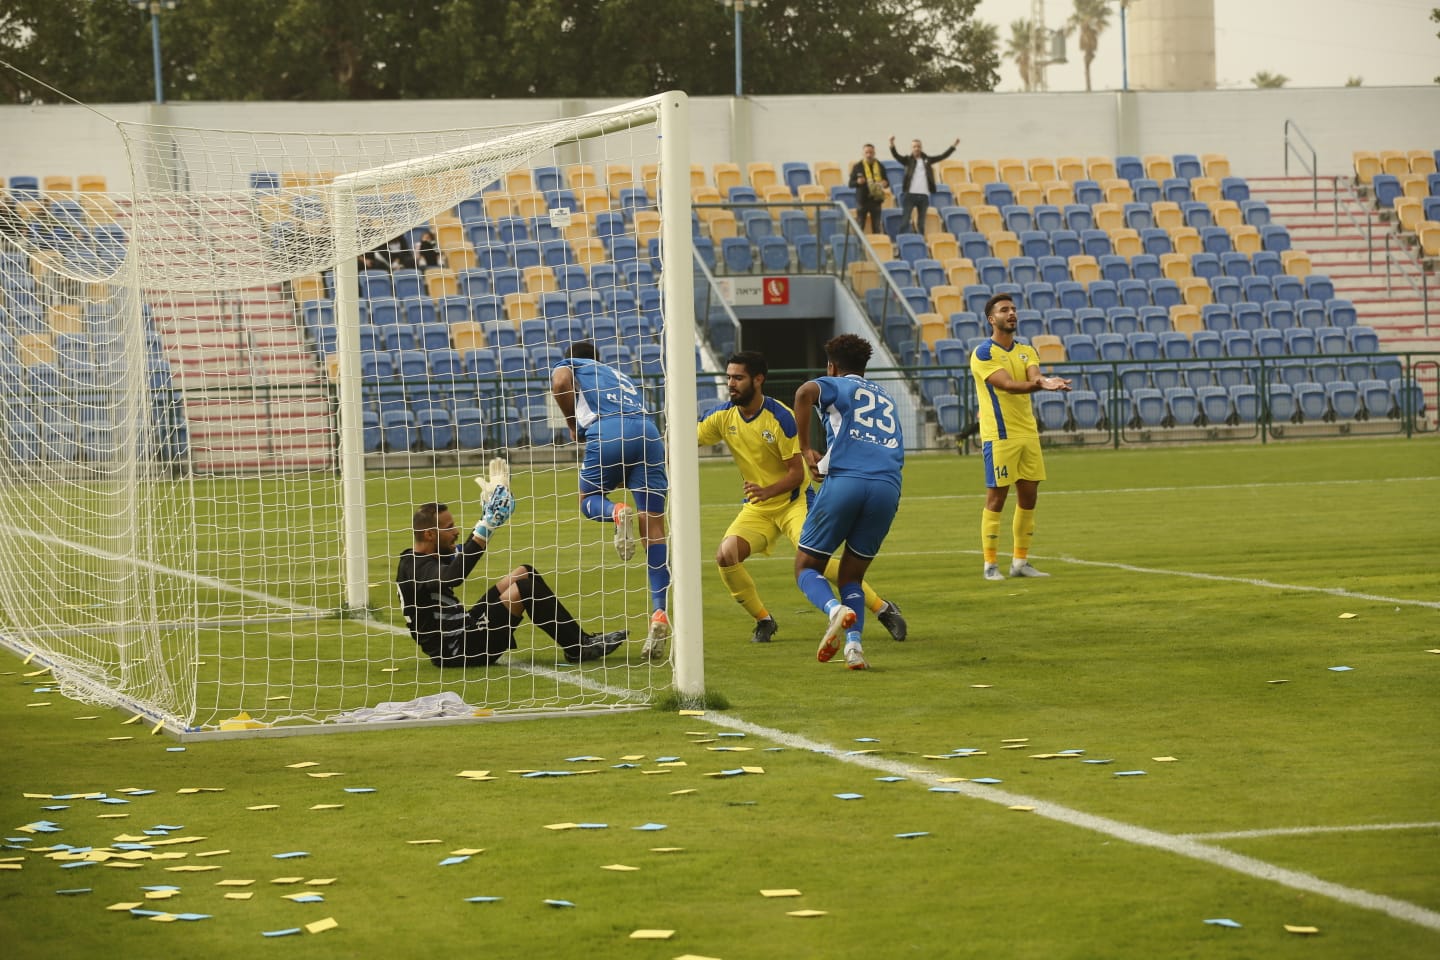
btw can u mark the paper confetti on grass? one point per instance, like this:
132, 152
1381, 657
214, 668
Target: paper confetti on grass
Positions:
652, 934
293, 854
913, 835
890, 779
320, 882
1290, 928
649, 826
245, 895
135, 719
619, 868
981, 686
1165, 759
304, 898
1339, 669
985, 780
1129, 773
1021, 808
359, 789
1348, 616
301, 765
75, 892
483, 899
123, 906
558, 903
419, 842
849, 796
475, 775
805, 913
666, 849
782, 892
452, 861
287, 880
288, 932
692, 713
328, 806
681, 793
324, 776
1224, 922
264, 806
233, 883
561, 826
1277, 681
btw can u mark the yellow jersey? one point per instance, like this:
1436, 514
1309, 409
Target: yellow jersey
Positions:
1004, 415
762, 445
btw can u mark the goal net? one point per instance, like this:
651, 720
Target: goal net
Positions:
225, 393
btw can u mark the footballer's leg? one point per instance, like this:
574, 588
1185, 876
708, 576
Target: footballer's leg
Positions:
821, 535
601, 471
749, 531
871, 524
997, 486
1027, 489
648, 483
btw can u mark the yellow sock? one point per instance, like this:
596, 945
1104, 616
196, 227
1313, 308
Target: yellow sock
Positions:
990, 534
1023, 530
873, 600
742, 588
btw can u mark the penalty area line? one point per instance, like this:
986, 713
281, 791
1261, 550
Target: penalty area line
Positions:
1307, 831
1178, 844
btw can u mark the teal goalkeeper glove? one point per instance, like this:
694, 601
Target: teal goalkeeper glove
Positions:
498, 508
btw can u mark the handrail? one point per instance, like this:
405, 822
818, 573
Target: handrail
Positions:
710, 293
1405, 263
1311, 167
1352, 204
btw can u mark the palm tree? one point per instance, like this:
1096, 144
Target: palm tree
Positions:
1021, 49
1266, 80
1089, 20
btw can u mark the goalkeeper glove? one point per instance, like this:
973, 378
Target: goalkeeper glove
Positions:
498, 508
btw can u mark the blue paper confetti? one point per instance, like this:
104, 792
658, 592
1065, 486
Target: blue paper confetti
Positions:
773, 750
945, 790
293, 854
1098, 761
1068, 753
666, 759
558, 903
912, 836
163, 886
132, 846
141, 793
582, 759
1129, 773
623, 766
359, 789
307, 898
650, 826
192, 916
113, 800
57, 806
483, 899
140, 912
546, 773
77, 863
592, 826
867, 740
731, 734
1339, 669
986, 780
169, 827
275, 933
174, 749
451, 861
1223, 922
890, 779
19, 839
849, 796
75, 892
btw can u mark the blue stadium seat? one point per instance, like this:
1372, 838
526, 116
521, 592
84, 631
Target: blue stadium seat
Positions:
1051, 411
1049, 217
1256, 289
1255, 212
774, 254
1375, 399
397, 429
1408, 396
1275, 238
434, 429
1188, 166
1103, 294
1111, 347
957, 220
1205, 265
948, 413
1183, 406
1239, 344
1060, 322
1139, 216
1094, 243
1035, 244
1225, 290
1066, 244
796, 174
999, 194
1113, 267
1040, 296
737, 255
1146, 190
1143, 346
1279, 403
1197, 215
1176, 189
1129, 167
1234, 188
1080, 348
1361, 339
1343, 398
1156, 241
1310, 400
1165, 293
1174, 345
1387, 188
1133, 293
1235, 264
1094, 321
1340, 313
1279, 315
1150, 408
1268, 342
1215, 239
1146, 266
1087, 194
1214, 403
1053, 269
965, 325
1017, 218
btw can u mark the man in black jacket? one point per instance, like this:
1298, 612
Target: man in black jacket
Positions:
452, 636
919, 181
867, 179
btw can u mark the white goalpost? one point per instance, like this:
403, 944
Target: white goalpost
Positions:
224, 393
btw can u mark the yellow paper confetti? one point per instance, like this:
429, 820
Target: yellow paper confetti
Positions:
692, 713
786, 892
653, 772
163, 918
1022, 809
619, 868
1164, 759
125, 906
328, 806
1433, 651
264, 806
633, 757
41, 703
1277, 681
91, 717
389, 669
419, 842
120, 738
681, 793
285, 880
157, 728
324, 776
475, 775
652, 934
672, 763
666, 849
805, 913
320, 882
561, 826
26, 662
753, 769
122, 865
193, 868
233, 883
301, 765
1343, 616
111, 816
160, 894
212, 853
1294, 929
981, 686
320, 926
240, 896
37, 796
953, 780
281, 696
467, 851
10, 866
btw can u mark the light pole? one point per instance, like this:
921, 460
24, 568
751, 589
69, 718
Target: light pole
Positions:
739, 6
1124, 56
154, 7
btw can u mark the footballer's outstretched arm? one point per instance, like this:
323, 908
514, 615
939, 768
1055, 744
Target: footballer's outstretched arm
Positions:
562, 385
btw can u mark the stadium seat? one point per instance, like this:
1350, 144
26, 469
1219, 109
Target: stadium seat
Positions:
948, 412
1052, 413
1343, 398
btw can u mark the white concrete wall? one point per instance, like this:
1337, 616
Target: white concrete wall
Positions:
1246, 125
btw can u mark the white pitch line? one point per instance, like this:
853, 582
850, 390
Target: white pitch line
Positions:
1306, 831
1171, 843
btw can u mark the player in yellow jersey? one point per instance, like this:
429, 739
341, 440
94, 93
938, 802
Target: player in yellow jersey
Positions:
760, 432
1005, 372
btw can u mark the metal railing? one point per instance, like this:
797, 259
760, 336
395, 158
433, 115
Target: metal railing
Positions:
1411, 271
1310, 167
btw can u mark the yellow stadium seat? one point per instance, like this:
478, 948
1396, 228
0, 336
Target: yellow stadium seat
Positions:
1167, 214
531, 205
580, 176
1158, 166
722, 226
576, 230
1186, 240
1100, 168
947, 299
33, 348
1296, 262
1174, 265
1415, 185
498, 206
56, 183
761, 175
100, 208
987, 219
467, 335
1048, 348
1429, 233
1108, 216
829, 174
983, 171
441, 283
1084, 268
1185, 318
1421, 162
1205, 190
951, 173
697, 175
619, 176
461, 259
1010, 169
1226, 213
1217, 165
1058, 192
450, 237
943, 246
727, 175
1409, 211
1004, 244
518, 181
647, 227
589, 251
650, 178
1245, 238
332, 366
1070, 169
1118, 190
1126, 242
1394, 162
1041, 169
1195, 291
864, 276
539, 279
309, 287
882, 245
1367, 164
933, 326
706, 195
521, 306
1028, 193
95, 183
592, 200
293, 179
968, 194
812, 193
960, 272
778, 195
65, 318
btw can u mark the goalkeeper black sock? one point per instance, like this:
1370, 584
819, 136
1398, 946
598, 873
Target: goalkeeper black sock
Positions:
548, 613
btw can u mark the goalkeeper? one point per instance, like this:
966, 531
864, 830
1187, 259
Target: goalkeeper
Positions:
453, 636
760, 432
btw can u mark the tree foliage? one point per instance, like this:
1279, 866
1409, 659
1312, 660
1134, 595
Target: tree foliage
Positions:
99, 50
1265, 80
1021, 48
1088, 21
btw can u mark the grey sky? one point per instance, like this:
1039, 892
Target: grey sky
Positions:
1316, 43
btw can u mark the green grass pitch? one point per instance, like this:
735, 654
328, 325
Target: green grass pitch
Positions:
1184, 582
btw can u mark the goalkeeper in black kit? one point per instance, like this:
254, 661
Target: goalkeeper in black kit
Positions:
453, 636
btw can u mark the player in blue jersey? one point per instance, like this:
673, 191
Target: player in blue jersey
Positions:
861, 492
623, 450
